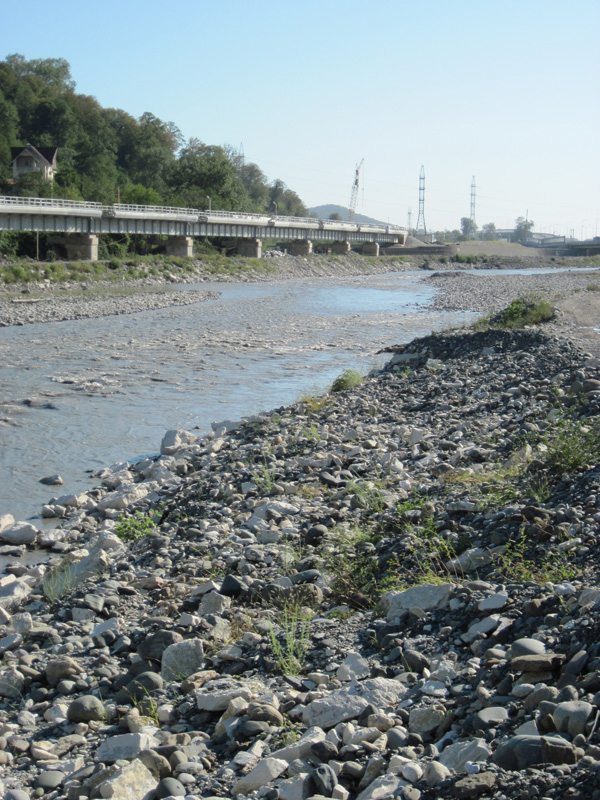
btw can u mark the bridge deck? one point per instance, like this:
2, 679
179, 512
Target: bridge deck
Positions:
70, 216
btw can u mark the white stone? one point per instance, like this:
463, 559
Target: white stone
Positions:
301, 748
495, 602
481, 626
20, 533
263, 773
215, 603
411, 771
354, 667
56, 714
219, 697
175, 440
382, 788
6, 522
456, 755
13, 593
11, 683
426, 597
128, 496
435, 773
133, 782
124, 746
182, 659
349, 702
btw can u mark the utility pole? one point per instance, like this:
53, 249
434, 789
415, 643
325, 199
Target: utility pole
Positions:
421, 226
473, 194
409, 226
354, 193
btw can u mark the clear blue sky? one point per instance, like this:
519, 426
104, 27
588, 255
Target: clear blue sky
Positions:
503, 90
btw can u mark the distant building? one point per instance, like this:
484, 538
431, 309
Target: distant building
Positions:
25, 160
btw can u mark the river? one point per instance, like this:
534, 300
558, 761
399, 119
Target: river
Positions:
81, 395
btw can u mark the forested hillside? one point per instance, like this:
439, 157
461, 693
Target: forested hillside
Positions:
107, 155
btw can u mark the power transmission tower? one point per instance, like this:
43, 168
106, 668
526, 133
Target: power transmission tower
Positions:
354, 193
473, 194
421, 226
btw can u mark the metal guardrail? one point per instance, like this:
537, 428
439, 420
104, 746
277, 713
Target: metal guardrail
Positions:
206, 216
48, 202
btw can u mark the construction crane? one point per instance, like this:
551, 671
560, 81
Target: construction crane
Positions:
354, 193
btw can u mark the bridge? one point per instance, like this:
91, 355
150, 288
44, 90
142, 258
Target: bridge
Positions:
83, 222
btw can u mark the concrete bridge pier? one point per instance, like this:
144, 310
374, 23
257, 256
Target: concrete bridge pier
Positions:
301, 247
340, 248
180, 246
249, 248
82, 247
370, 249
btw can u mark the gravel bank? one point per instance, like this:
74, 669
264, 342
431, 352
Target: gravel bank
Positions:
388, 593
79, 305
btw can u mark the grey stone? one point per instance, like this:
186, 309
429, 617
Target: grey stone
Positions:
520, 752
169, 787
86, 708
490, 717
425, 720
571, 717
526, 647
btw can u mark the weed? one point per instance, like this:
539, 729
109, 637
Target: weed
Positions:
348, 379
574, 446
314, 401
130, 529
593, 287
290, 646
265, 478
521, 312
520, 563
367, 495
312, 433
59, 581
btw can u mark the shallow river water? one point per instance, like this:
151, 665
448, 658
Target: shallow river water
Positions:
81, 395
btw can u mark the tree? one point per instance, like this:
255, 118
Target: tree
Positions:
523, 228
334, 215
488, 232
203, 171
468, 227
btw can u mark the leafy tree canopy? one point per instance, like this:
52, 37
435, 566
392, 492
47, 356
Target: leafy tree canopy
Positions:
105, 153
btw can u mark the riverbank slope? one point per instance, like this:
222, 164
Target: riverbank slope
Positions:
385, 591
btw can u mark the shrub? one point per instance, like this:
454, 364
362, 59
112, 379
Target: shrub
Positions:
348, 378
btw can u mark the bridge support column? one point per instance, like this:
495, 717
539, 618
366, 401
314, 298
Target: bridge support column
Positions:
370, 249
301, 247
82, 247
340, 248
180, 246
250, 248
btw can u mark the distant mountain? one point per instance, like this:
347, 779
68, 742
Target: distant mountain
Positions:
323, 212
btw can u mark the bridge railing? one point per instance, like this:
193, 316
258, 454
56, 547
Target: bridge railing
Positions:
208, 215
135, 209
48, 202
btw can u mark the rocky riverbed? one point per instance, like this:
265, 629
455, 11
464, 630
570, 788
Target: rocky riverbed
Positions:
476, 288
388, 591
